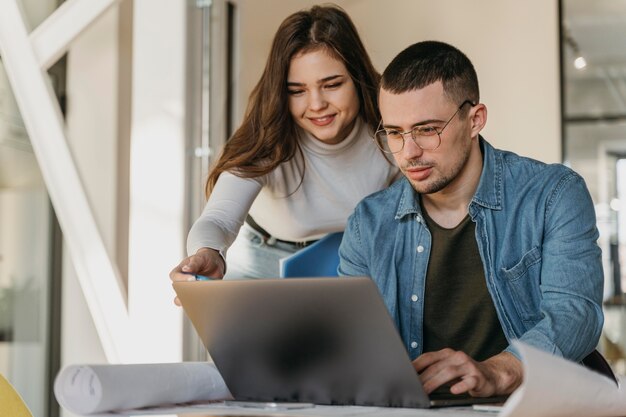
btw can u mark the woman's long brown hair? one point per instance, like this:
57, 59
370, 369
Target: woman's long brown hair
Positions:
267, 136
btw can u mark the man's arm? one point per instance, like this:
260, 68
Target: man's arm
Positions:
498, 375
352, 261
571, 275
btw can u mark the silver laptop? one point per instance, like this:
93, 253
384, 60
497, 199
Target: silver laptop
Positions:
307, 340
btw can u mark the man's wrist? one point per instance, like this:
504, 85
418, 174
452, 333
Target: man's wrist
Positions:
507, 372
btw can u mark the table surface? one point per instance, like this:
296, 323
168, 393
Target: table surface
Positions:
220, 409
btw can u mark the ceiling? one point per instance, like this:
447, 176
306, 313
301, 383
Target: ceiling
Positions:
598, 27
595, 97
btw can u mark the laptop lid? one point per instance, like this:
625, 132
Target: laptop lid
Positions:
317, 340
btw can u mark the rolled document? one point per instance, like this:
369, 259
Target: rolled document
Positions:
88, 389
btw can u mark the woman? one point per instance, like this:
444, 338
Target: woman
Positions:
303, 156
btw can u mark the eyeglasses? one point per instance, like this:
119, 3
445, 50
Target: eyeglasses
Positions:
426, 137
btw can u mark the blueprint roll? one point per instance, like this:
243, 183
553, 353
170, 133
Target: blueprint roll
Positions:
89, 389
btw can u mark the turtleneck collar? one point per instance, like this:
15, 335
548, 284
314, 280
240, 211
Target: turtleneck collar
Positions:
315, 145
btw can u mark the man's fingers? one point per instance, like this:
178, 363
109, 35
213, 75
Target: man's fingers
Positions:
452, 367
427, 359
436, 362
467, 384
475, 382
443, 376
500, 374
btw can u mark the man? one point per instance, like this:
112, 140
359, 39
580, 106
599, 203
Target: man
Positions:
475, 247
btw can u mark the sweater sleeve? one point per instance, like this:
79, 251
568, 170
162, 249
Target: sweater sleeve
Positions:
224, 213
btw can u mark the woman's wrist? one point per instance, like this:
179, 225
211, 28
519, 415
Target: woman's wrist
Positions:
218, 257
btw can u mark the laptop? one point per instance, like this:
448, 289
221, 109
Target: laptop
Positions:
308, 340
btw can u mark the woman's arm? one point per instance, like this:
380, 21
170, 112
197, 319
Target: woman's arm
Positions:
224, 213
217, 227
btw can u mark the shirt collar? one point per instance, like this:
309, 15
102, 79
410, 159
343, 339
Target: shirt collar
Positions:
409, 203
489, 191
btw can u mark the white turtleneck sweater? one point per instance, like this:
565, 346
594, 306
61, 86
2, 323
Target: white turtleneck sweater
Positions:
336, 178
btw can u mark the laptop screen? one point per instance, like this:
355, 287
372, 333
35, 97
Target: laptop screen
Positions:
317, 340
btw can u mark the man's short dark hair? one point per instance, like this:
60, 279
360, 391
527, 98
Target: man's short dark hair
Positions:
424, 63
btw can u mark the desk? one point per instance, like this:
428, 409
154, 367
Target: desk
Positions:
552, 387
218, 409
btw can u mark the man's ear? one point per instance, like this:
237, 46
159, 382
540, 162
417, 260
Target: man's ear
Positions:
478, 118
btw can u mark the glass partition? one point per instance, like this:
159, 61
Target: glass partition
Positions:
30, 245
25, 232
594, 127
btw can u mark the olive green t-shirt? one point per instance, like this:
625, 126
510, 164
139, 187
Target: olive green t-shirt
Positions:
458, 310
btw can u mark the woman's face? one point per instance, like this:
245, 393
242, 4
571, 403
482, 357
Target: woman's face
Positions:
322, 97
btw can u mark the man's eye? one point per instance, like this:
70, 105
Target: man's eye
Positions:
394, 134
425, 130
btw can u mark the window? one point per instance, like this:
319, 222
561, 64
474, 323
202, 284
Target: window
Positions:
594, 134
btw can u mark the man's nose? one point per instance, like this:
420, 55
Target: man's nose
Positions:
410, 148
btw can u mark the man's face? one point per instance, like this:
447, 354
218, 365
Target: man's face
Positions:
429, 171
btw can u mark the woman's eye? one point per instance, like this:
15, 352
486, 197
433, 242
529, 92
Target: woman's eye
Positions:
295, 92
333, 86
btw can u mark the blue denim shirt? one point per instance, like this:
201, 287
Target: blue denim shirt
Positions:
536, 234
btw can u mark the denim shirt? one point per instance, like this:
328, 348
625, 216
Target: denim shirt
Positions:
536, 234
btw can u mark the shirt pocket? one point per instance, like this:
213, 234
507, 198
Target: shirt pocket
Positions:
523, 280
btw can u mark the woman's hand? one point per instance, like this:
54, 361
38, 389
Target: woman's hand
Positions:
206, 261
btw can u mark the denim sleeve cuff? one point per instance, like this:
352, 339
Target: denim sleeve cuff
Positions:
538, 344
513, 350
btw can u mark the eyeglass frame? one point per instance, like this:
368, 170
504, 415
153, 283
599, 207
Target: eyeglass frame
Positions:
414, 128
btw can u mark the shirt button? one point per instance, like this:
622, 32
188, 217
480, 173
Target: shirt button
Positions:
418, 219
413, 345
414, 297
420, 249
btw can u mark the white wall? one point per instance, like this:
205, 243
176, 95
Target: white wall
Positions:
157, 173
91, 127
513, 45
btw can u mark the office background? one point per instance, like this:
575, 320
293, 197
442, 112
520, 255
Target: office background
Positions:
152, 88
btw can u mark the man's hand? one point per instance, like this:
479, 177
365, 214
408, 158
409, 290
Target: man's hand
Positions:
206, 261
498, 375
